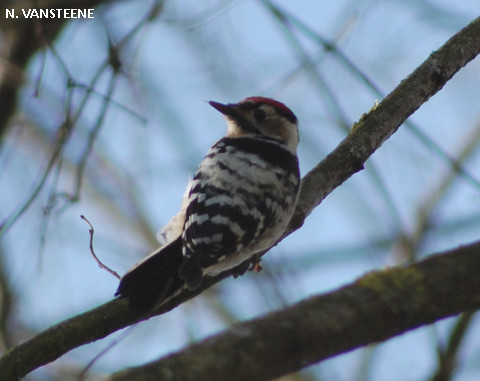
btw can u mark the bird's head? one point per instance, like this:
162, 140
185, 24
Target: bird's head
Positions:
262, 118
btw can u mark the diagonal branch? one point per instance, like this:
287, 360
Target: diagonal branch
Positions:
373, 129
376, 126
380, 305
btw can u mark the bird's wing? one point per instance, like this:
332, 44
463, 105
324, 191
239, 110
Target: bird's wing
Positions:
173, 229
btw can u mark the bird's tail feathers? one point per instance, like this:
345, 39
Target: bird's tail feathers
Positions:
154, 279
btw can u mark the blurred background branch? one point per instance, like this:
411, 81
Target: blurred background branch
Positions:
103, 117
377, 306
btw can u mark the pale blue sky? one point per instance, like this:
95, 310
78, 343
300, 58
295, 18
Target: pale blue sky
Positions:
226, 51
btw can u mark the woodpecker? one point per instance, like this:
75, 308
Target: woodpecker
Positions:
238, 204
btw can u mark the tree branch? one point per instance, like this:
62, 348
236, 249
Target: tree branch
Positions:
347, 159
376, 126
380, 305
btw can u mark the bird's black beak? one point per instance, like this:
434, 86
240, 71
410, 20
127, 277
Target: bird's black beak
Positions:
225, 109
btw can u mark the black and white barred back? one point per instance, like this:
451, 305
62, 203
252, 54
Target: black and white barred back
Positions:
240, 201
238, 204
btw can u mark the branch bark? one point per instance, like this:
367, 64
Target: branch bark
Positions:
380, 305
367, 135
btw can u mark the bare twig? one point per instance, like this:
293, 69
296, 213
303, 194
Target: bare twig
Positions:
70, 120
448, 356
99, 262
82, 375
430, 301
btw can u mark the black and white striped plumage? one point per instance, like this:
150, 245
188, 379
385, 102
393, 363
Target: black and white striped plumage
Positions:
238, 204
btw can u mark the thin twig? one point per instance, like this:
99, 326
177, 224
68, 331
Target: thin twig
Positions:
100, 263
448, 356
82, 375
434, 301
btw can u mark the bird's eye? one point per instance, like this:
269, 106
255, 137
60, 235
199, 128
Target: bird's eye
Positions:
259, 115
